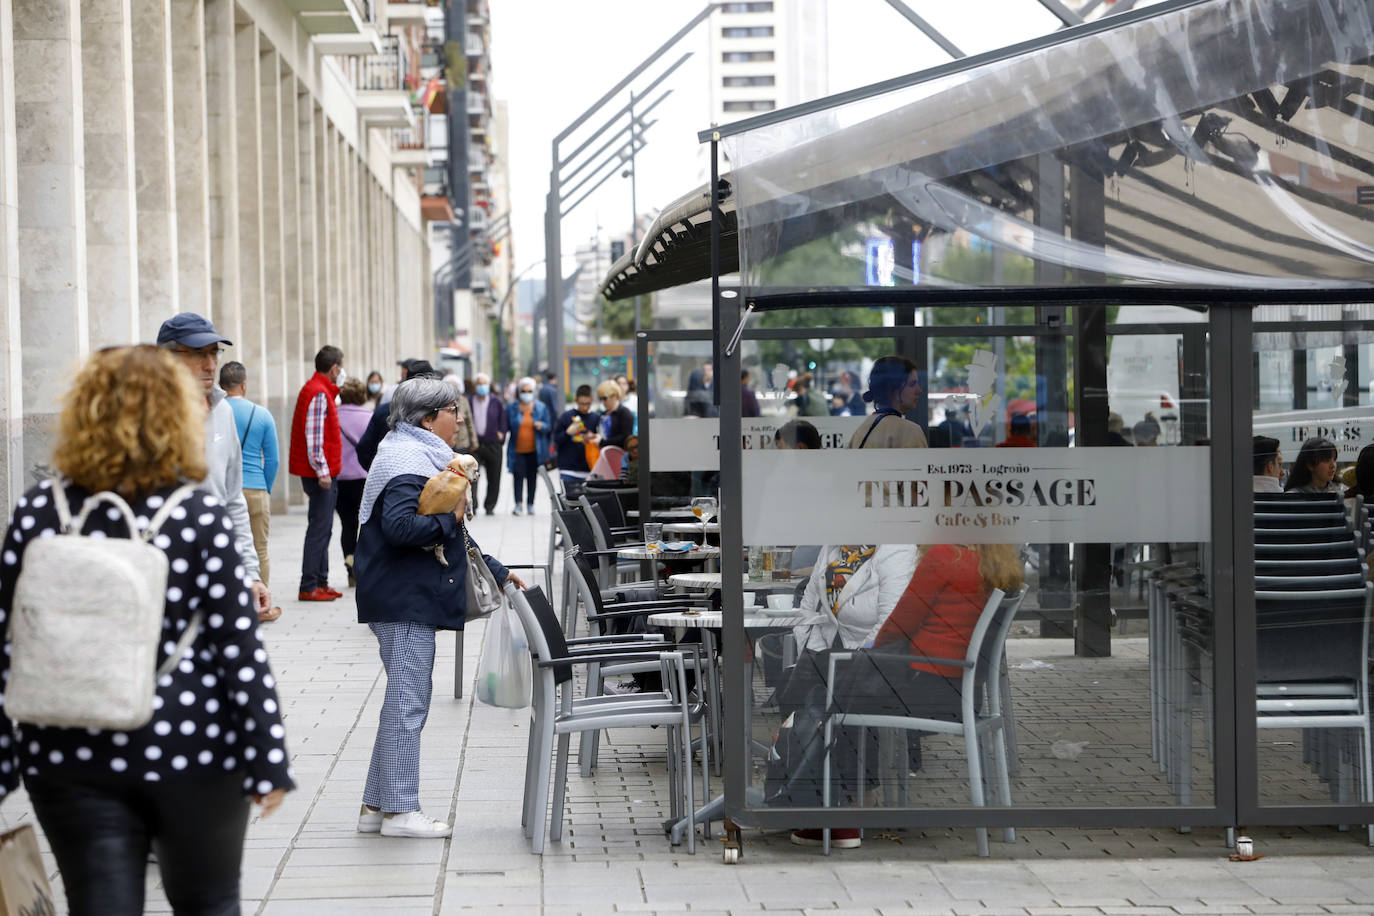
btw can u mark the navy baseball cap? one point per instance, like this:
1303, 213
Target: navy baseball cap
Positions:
190, 330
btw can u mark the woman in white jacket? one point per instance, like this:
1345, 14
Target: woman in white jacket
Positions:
852, 590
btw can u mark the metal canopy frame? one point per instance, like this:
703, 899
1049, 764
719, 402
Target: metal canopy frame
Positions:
1230, 330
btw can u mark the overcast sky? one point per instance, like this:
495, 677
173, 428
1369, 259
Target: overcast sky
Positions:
551, 59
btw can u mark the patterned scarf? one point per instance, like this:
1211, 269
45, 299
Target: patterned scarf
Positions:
405, 450
851, 559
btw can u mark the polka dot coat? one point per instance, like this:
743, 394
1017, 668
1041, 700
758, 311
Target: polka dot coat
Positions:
216, 711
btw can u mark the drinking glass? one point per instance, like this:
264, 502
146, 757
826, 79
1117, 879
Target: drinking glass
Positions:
653, 532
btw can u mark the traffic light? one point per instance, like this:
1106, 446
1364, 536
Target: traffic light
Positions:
811, 365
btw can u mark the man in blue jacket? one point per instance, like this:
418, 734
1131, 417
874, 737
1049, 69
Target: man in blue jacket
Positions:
258, 441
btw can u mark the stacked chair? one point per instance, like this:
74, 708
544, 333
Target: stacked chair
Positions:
1312, 603
1312, 607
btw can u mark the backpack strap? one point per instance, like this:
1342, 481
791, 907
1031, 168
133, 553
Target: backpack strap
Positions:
188, 636
243, 440
880, 416
170, 503
59, 502
93, 502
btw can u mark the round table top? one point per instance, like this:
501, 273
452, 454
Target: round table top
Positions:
692, 527
643, 552
668, 513
714, 620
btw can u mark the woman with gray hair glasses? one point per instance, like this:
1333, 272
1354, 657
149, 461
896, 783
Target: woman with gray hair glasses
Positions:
405, 594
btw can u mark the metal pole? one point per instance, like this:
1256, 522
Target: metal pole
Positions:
553, 241
634, 205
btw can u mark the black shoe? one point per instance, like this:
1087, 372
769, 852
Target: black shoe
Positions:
491, 512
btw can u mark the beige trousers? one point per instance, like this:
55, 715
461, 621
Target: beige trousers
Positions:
260, 520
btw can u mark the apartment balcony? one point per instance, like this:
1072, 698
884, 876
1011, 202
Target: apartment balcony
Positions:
477, 162
406, 13
410, 146
475, 45
481, 280
339, 27
434, 203
432, 59
478, 11
378, 82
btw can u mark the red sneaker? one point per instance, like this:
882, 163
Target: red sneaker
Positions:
840, 837
332, 591
317, 594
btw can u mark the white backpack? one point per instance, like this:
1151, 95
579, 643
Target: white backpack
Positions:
86, 622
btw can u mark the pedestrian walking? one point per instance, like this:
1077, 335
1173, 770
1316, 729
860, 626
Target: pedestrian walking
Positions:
491, 424
317, 458
258, 442
572, 432
193, 340
353, 419
405, 595
529, 421
178, 786
551, 398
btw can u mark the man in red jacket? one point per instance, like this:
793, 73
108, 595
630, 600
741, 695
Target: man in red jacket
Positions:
316, 458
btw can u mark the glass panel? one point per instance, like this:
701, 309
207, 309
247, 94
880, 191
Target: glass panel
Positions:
1215, 145
890, 555
684, 426
1312, 591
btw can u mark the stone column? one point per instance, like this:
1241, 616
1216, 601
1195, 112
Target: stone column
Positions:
155, 163
11, 386
107, 94
190, 114
274, 391
222, 163
251, 335
51, 173
269, 376
294, 253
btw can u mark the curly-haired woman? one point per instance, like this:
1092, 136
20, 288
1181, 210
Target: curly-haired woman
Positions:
133, 423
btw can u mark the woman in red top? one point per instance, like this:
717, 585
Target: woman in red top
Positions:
935, 618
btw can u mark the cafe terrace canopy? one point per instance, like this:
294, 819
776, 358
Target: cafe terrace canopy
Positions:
1176, 153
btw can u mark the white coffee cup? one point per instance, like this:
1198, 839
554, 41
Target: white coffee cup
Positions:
780, 602
750, 599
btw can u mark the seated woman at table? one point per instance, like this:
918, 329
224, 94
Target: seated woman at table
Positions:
852, 590
1314, 470
935, 618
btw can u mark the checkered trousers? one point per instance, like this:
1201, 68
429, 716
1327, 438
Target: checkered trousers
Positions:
393, 778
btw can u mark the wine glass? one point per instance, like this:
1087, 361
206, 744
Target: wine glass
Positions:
704, 508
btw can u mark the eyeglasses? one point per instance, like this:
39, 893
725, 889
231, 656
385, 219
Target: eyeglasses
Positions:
207, 351
453, 410
605, 399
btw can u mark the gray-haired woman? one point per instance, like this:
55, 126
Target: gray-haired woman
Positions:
405, 594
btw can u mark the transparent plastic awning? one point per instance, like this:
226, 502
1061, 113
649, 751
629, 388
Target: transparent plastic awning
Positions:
1212, 145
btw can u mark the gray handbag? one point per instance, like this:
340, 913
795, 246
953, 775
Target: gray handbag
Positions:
484, 594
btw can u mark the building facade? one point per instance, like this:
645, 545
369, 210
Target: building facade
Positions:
256, 161
766, 54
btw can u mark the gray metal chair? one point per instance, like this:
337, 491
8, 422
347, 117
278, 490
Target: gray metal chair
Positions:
555, 712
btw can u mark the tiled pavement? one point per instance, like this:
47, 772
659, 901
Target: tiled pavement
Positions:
308, 858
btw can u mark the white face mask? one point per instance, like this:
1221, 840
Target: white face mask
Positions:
374, 387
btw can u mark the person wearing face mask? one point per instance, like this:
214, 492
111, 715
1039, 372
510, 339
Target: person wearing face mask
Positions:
529, 420
570, 434
317, 459
491, 423
374, 389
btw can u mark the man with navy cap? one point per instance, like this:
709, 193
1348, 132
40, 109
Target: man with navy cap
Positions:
195, 341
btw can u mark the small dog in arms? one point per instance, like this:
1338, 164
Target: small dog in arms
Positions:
445, 489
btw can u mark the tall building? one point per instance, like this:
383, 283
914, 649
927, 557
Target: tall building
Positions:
254, 161
766, 54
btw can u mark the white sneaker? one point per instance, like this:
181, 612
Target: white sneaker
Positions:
369, 819
414, 824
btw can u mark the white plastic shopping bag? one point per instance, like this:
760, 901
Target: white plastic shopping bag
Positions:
504, 675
